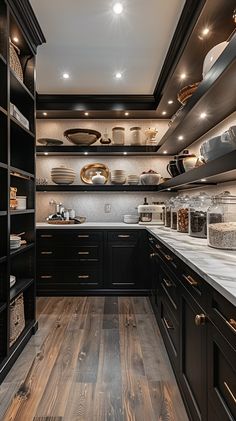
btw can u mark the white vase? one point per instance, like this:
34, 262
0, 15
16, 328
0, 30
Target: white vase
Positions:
98, 178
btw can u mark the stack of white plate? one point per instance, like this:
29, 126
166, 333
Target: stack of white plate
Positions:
15, 242
131, 219
118, 177
63, 175
133, 179
12, 280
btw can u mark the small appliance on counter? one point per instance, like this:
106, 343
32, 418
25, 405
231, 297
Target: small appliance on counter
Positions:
150, 214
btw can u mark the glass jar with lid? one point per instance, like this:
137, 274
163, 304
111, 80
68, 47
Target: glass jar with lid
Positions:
174, 209
136, 138
221, 222
198, 208
182, 214
169, 203
118, 135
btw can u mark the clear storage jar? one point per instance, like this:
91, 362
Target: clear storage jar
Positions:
135, 138
174, 210
182, 214
221, 222
169, 203
198, 208
118, 135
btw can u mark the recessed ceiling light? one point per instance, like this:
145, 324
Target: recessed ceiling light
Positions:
85, 153
183, 76
170, 101
165, 152
86, 113
124, 153
45, 114
65, 75
205, 31
126, 114
203, 179
118, 8
163, 113
203, 115
169, 189
45, 153
15, 39
180, 137
118, 75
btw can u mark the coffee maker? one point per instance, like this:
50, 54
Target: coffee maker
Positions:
151, 214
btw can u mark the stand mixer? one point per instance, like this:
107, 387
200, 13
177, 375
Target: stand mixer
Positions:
151, 214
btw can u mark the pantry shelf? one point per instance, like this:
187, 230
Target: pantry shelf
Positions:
97, 150
95, 188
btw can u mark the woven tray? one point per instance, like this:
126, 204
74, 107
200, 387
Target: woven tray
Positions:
55, 222
17, 318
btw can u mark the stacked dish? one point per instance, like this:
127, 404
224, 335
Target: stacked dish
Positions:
118, 177
12, 280
15, 242
133, 179
63, 175
131, 219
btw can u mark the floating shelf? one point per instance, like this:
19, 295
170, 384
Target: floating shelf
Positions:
20, 286
215, 96
97, 150
3, 110
2, 165
96, 188
3, 213
17, 172
21, 249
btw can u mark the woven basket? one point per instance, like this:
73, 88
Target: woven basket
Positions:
17, 318
15, 63
187, 92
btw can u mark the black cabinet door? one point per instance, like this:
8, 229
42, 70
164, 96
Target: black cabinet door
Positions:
154, 278
221, 369
193, 355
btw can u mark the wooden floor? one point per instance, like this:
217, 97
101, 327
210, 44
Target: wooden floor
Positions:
93, 359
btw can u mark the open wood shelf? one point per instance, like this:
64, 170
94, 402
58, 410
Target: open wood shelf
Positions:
20, 126
96, 188
210, 98
2, 165
18, 85
97, 150
21, 249
3, 59
20, 286
217, 171
3, 306
21, 211
20, 173
3, 259
2, 110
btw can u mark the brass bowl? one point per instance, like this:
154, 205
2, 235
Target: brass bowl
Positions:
89, 170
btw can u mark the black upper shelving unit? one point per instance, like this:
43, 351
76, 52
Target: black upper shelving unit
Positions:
95, 188
215, 96
97, 150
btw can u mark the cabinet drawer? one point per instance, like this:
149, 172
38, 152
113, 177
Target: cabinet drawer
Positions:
124, 236
68, 237
170, 332
195, 285
166, 255
82, 277
80, 253
223, 315
169, 288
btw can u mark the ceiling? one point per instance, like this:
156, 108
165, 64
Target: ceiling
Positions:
89, 42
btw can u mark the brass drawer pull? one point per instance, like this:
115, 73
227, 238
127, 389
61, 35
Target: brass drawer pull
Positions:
168, 283
46, 236
46, 277
200, 320
167, 324
46, 252
83, 276
83, 252
122, 283
158, 247
83, 236
230, 392
168, 257
232, 324
190, 280
123, 236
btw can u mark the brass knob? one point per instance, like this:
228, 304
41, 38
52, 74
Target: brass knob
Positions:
200, 319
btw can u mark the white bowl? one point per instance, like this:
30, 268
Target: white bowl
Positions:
150, 179
212, 56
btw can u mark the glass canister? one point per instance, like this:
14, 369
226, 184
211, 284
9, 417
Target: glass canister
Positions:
182, 214
221, 221
118, 135
198, 208
135, 138
168, 205
174, 209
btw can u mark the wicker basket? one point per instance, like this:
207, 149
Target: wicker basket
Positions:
15, 63
17, 318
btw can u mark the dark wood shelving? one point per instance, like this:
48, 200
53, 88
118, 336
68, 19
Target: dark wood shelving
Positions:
18, 85
96, 188
20, 286
3, 59
3, 213
21, 249
20, 126
21, 211
28, 327
3, 259
210, 98
2, 165
20, 173
97, 150
219, 170
3, 307
2, 110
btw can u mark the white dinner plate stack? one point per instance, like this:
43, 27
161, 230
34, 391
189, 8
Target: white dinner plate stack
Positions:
15, 242
133, 179
63, 175
118, 177
131, 219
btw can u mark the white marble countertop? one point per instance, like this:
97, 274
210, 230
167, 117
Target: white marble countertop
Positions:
217, 267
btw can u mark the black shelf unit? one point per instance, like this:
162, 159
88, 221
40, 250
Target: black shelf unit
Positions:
95, 188
215, 96
97, 150
17, 169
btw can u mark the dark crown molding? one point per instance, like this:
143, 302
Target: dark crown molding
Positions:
23, 12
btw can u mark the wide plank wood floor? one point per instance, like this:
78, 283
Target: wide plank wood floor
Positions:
93, 359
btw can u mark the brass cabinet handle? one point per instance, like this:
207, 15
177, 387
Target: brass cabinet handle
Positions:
83, 236
46, 235
46, 252
46, 277
83, 252
158, 247
83, 276
168, 283
232, 324
200, 319
190, 280
167, 324
168, 257
230, 392
123, 236
122, 283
